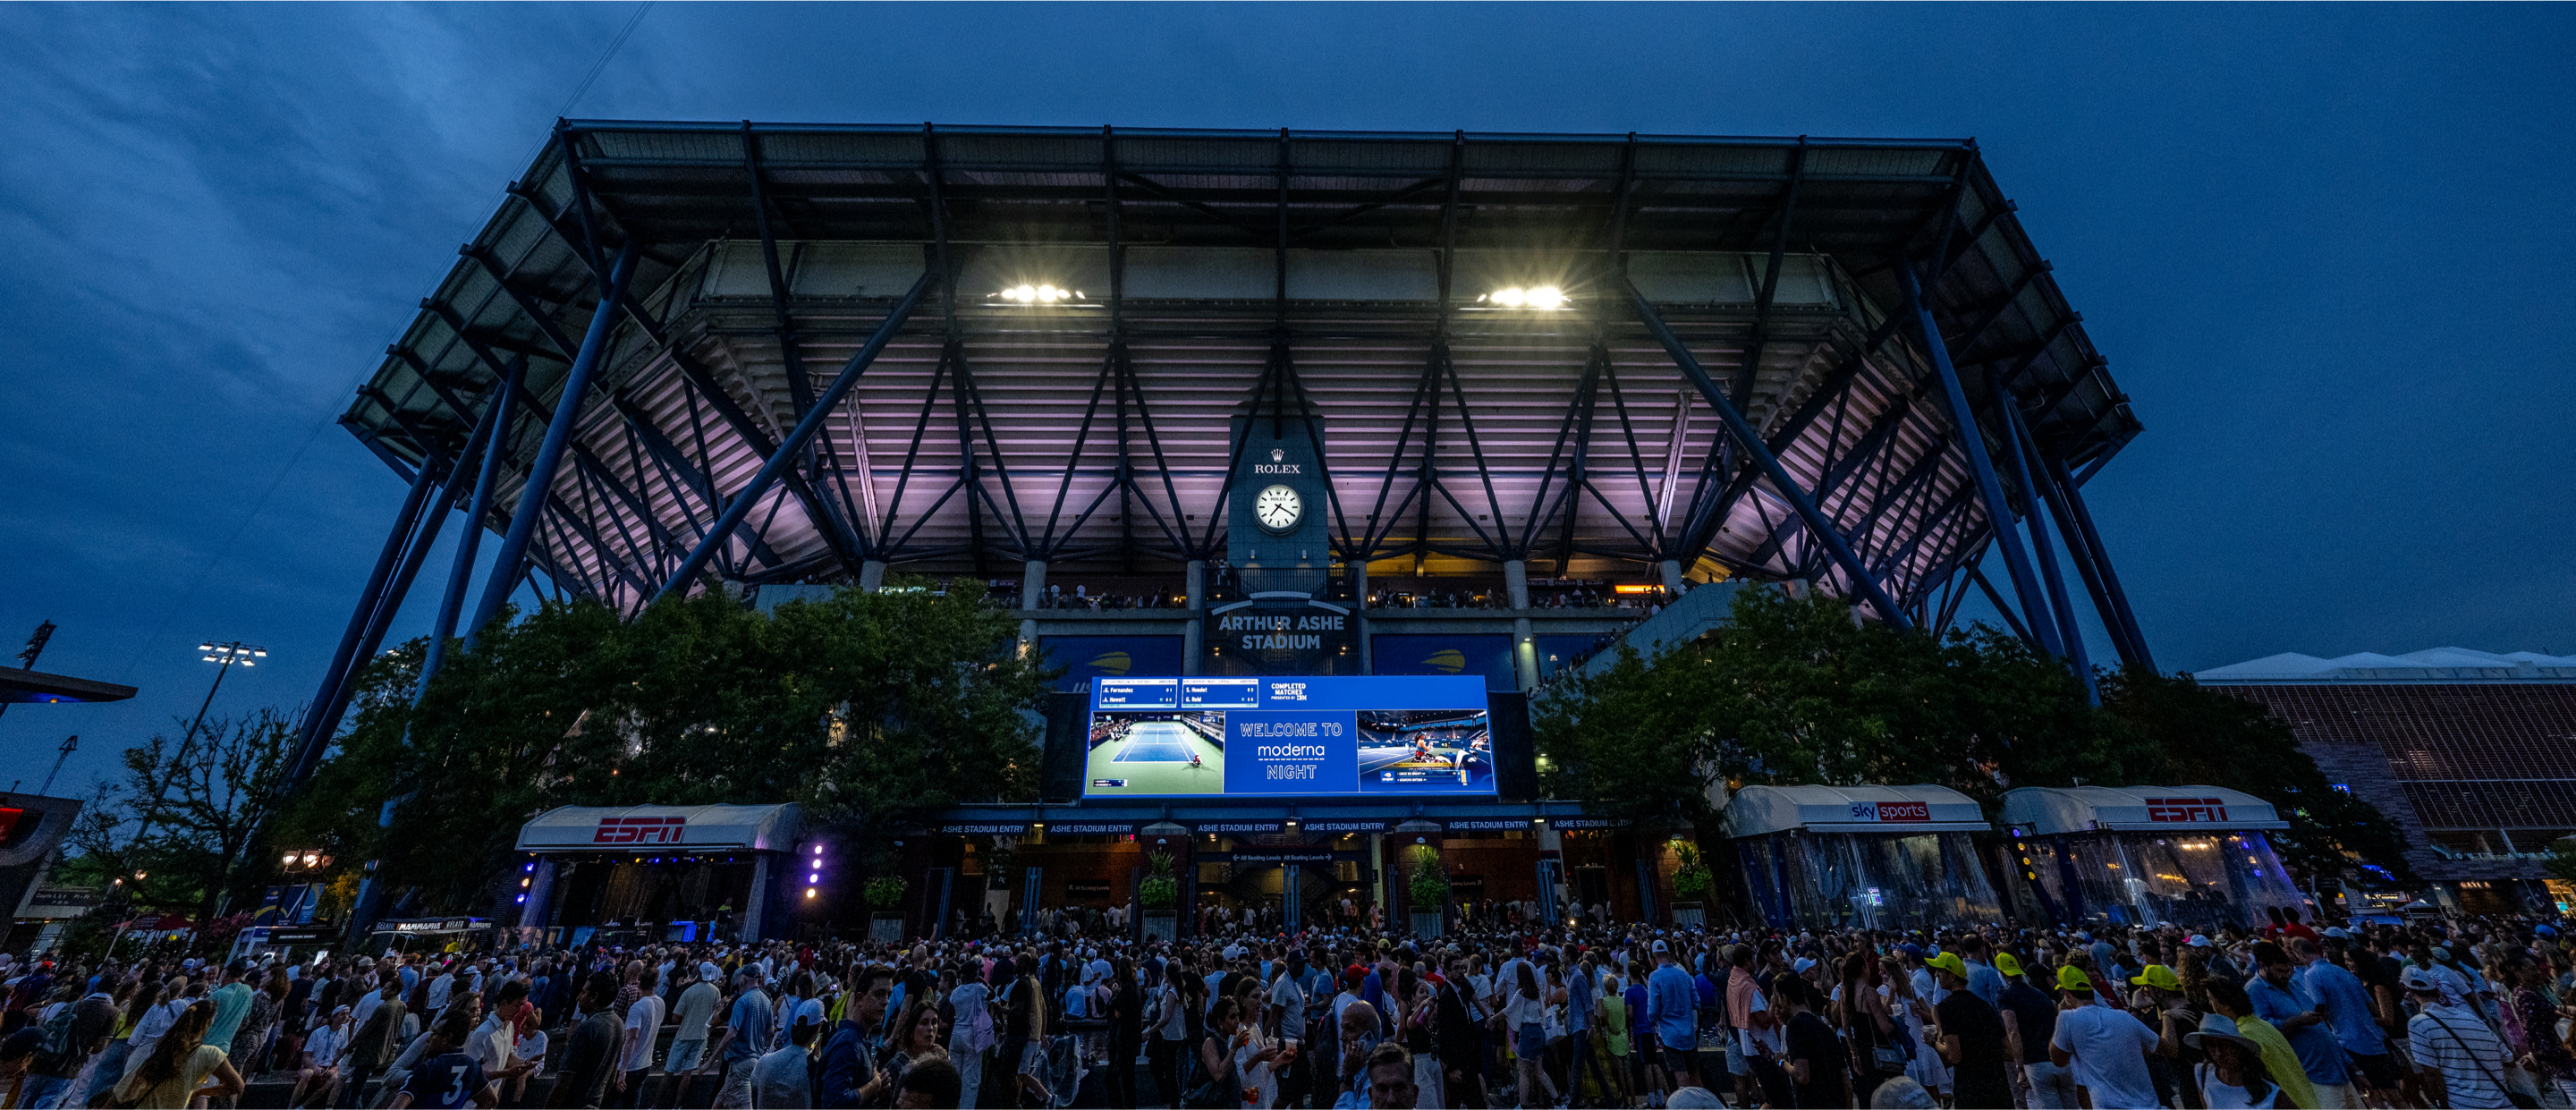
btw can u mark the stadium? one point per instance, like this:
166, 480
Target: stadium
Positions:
1257, 403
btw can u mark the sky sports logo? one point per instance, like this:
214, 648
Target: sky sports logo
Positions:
640, 830
2187, 810
1891, 811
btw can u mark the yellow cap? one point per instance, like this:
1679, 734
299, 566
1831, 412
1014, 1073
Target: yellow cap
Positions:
1949, 962
2004, 962
2072, 978
2158, 976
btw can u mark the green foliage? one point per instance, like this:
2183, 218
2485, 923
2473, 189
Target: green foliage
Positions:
2561, 863
2213, 739
1793, 691
186, 818
1429, 882
885, 892
866, 709
1691, 880
1160, 890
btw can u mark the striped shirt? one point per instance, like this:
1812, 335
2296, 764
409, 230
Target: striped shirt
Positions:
2460, 1043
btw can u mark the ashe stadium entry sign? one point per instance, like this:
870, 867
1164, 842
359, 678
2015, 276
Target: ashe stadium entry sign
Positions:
1278, 736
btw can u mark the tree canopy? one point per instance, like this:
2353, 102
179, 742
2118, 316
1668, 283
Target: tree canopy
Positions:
867, 709
1793, 690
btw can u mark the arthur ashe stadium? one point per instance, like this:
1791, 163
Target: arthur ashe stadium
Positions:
1253, 403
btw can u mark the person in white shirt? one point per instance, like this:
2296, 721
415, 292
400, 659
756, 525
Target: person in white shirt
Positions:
2106, 1047
643, 1025
323, 1048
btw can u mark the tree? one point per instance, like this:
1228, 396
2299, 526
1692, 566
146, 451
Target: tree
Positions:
869, 710
1793, 691
180, 825
2214, 739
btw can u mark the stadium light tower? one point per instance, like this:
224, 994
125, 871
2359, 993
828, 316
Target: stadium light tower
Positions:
224, 655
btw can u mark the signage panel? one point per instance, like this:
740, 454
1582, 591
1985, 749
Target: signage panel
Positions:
1281, 736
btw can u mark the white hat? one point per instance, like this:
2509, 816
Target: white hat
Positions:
1659, 947
2196, 941
2419, 979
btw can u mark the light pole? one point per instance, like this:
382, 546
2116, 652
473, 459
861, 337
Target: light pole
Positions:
224, 655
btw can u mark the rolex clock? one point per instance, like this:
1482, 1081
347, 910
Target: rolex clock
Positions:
1277, 509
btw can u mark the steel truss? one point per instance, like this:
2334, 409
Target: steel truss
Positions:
1834, 360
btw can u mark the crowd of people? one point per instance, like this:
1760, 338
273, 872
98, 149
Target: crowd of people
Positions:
1500, 1013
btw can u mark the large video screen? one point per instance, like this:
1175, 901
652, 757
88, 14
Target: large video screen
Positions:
1194, 737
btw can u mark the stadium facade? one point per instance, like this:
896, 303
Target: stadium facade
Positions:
1256, 402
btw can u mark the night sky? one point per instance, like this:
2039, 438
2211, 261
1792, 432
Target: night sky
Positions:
2326, 249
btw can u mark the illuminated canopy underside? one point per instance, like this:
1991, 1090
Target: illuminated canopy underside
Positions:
1200, 259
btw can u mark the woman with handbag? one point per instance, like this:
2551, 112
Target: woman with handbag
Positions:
1861, 1016
1213, 1081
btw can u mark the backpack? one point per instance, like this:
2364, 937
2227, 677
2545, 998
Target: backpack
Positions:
57, 1055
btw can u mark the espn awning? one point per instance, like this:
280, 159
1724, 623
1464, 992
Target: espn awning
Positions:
1893, 810
590, 829
2050, 810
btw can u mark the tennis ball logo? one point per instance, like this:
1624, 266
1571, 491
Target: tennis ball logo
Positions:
1112, 662
1446, 661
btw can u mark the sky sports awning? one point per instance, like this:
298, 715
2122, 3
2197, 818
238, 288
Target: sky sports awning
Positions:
1895, 810
685, 829
2051, 810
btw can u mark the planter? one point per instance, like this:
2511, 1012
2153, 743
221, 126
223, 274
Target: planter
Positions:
1426, 924
1689, 915
1161, 925
886, 927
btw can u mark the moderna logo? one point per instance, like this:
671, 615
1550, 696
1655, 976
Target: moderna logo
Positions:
640, 830
2187, 810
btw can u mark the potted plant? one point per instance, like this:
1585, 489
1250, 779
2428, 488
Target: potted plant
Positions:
1427, 890
884, 893
1691, 885
1159, 894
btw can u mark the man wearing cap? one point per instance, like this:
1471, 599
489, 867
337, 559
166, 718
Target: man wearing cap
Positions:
1972, 1037
2458, 1058
2159, 991
2281, 999
2030, 1021
2106, 1048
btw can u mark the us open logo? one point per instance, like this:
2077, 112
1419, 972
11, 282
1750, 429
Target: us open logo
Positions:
640, 830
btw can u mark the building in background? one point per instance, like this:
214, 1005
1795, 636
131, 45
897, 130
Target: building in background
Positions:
2472, 754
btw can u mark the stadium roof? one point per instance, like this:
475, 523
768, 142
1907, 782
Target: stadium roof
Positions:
2442, 664
766, 254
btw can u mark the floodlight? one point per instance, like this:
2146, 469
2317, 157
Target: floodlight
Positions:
1547, 297
1024, 293
1510, 298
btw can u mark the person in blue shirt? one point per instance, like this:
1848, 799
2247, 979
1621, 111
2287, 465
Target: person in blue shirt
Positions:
1672, 1011
446, 1078
2355, 1021
2281, 999
1983, 980
747, 1035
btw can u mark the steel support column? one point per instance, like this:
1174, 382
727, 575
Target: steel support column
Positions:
1769, 463
784, 457
550, 451
2135, 651
371, 598
495, 449
2061, 606
1972, 441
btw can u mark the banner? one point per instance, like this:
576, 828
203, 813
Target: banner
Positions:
1280, 857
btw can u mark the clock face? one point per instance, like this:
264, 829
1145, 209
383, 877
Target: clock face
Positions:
1277, 508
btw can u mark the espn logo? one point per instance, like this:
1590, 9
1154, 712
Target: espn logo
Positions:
1891, 811
640, 830
2187, 810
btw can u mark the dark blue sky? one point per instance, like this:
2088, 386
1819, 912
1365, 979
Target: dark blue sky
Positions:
2327, 250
